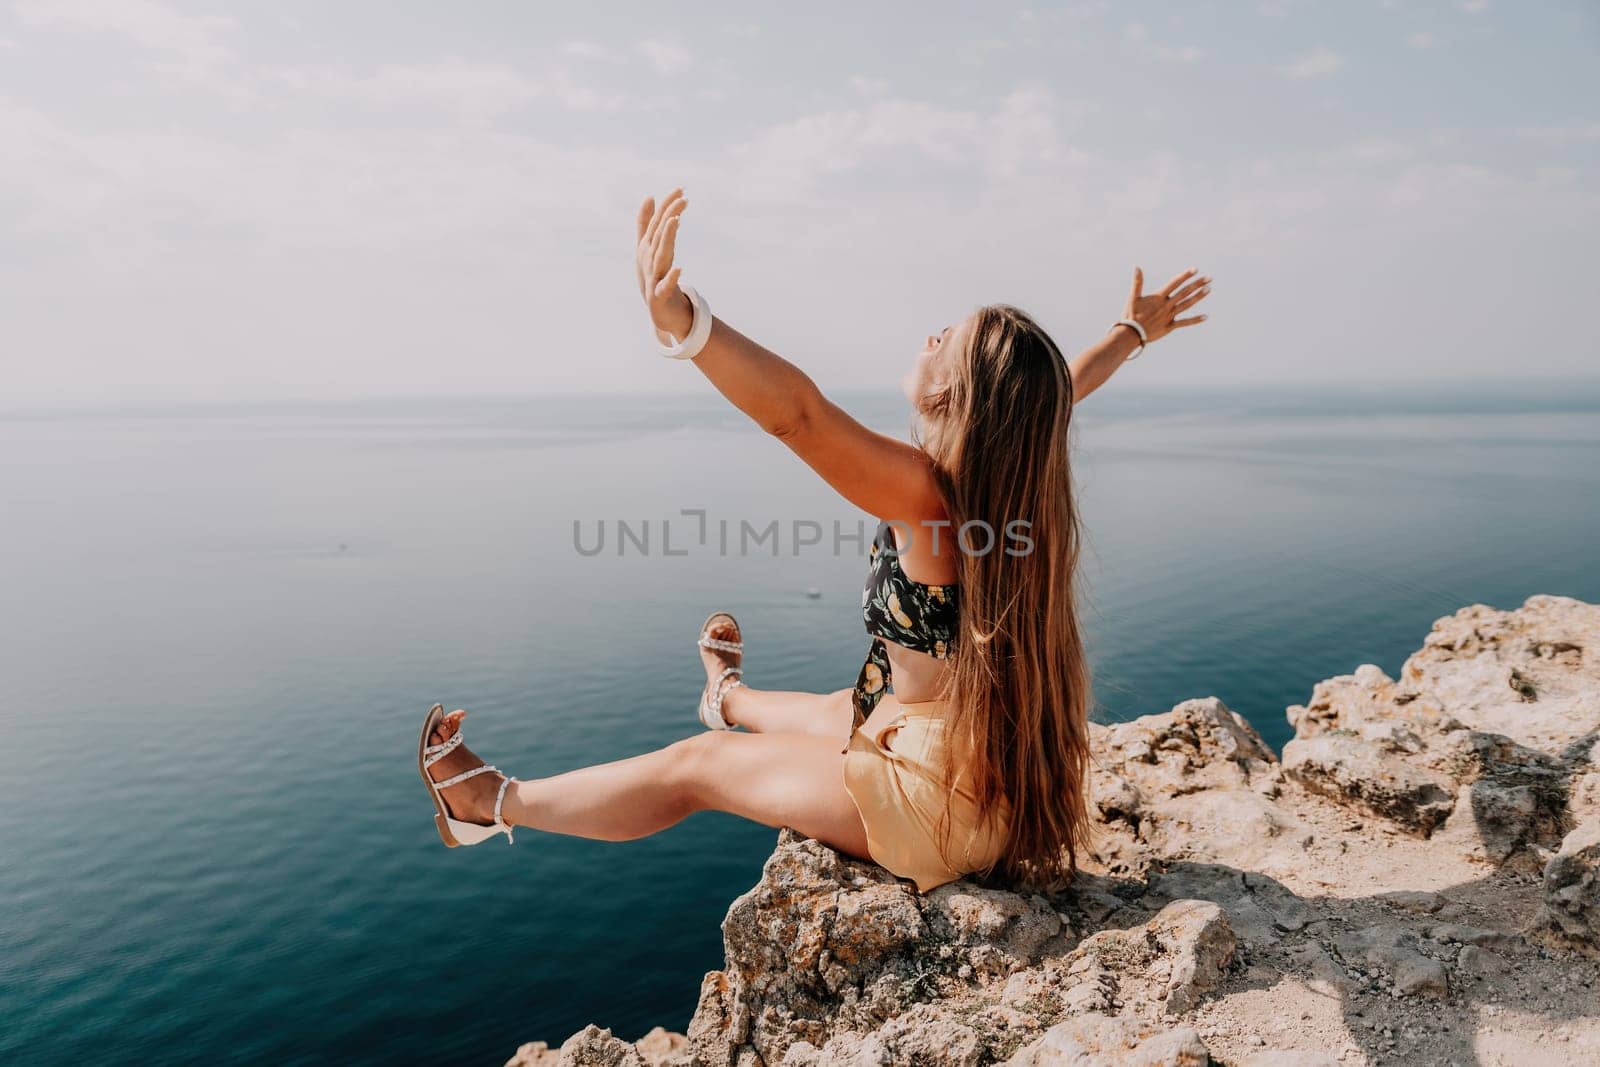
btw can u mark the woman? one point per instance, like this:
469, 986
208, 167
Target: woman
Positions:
976, 761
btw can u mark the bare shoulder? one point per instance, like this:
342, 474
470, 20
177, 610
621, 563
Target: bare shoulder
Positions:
927, 545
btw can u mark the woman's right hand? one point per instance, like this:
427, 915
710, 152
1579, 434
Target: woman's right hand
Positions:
670, 309
1158, 313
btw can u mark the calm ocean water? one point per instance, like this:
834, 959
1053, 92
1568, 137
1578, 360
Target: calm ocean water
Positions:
225, 624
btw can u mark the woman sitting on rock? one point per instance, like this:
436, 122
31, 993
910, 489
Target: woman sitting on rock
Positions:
976, 760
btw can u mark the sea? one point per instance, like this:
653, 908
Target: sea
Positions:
224, 623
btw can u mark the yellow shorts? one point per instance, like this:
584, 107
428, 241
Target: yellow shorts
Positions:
893, 770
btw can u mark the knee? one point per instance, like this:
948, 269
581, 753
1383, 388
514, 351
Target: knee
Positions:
694, 762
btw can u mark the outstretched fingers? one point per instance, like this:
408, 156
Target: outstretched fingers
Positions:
647, 211
659, 243
1188, 297
1190, 288
1177, 280
1158, 311
662, 212
667, 241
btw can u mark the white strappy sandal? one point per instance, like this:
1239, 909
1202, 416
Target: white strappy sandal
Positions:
453, 831
711, 697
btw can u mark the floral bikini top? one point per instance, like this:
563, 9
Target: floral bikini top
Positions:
923, 618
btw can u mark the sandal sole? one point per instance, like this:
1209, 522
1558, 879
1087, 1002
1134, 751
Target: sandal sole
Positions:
441, 817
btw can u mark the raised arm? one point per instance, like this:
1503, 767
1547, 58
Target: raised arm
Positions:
888, 478
1157, 313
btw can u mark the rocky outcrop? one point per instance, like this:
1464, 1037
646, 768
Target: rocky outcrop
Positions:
1418, 879
594, 1047
1572, 889
1095, 1040
1194, 783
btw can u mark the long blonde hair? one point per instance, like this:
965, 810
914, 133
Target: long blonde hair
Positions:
1019, 690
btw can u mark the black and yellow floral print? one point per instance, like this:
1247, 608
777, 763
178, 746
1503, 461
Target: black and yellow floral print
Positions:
923, 618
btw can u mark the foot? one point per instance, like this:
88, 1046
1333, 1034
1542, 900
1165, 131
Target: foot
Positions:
473, 799
715, 661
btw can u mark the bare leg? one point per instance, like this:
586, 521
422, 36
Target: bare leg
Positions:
776, 779
767, 711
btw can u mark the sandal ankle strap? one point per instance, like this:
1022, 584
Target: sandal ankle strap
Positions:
717, 691
499, 797
499, 802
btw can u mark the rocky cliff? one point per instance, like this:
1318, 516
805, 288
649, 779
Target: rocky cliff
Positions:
1416, 880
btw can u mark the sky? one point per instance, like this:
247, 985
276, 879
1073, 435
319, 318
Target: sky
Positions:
291, 199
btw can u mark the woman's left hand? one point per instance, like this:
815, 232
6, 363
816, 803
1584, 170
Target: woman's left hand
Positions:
657, 275
1158, 313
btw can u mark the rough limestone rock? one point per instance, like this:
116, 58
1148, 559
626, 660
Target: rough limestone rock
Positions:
1374, 898
1572, 889
1375, 776
1197, 934
1531, 674
996, 930
1198, 783
1395, 952
1102, 1041
924, 1034
594, 1046
589, 1047
1486, 739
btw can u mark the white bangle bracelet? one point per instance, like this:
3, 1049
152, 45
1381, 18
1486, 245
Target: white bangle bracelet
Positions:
698, 334
1144, 338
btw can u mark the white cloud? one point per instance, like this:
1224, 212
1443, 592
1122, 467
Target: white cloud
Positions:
1421, 39
478, 91
1459, 185
1555, 176
1138, 34
976, 52
407, 201
665, 56
1474, 7
134, 193
587, 50
1187, 53
573, 95
1569, 133
1318, 63
1374, 151
154, 26
787, 163
1022, 133
187, 49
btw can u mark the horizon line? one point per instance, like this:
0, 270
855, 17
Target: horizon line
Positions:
1553, 388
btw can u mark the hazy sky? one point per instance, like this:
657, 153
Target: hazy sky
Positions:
257, 199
